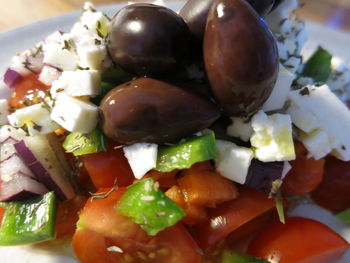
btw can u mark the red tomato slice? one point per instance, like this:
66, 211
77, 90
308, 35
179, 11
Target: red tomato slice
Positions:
29, 85
105, 228
333, 193
305, 176
105, 167
300, 240
238, 218
67, 216
2, 212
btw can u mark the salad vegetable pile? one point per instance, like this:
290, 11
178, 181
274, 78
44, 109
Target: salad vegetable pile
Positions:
190, 137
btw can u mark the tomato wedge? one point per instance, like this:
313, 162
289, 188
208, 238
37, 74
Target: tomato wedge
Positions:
305, 176
106, 167
104, 236
237, 218
29, 87
300, 240
67, 216
333, 193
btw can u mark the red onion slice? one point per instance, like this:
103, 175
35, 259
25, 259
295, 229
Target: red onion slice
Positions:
11, 78
21, 187
262, 174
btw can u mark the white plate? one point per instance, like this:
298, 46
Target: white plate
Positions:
26, 36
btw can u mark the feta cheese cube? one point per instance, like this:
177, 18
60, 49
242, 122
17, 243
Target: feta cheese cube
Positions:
240, 128
7, 131
4, 111
49, 74
77, 83
233, 161
142, 157
325, 112
74, 114
56, 55
280, 91
36, 117
272, 138
91, 55
317, 143
60, 52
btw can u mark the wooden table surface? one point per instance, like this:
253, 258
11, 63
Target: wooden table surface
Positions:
14, 13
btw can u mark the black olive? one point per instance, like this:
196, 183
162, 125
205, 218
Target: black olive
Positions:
147, 39
241, 57
195, 13
149, 110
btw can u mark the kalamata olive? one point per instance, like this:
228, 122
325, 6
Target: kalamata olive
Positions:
262, 7
241, 57
195, 13
147, 39
149, 110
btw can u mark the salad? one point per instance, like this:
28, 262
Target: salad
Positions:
202, 136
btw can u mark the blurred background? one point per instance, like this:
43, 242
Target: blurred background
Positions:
14, 13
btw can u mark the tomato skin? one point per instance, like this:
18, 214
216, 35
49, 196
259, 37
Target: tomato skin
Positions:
107, 166
333, 192
28, 85
300, 240
67, 216
229, 217
2, 212
305, 176
104, 227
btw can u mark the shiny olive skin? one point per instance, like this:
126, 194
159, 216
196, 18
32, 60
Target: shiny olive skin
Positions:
195, 13
149, 110
262, 7
147, 39
241, 57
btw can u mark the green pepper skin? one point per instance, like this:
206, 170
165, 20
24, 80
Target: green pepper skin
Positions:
147, 206
28, 222
184, 155
232, 257
81, 144
318, 66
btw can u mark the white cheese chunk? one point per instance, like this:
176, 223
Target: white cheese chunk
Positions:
36, 117
4, 111
272, 138
7, 131
18, 63
49, 74
280, 91
77, 83
240, 128
56, 55
233, 161
330, 116
142, 157
339, 80
74, 114
91, 55
286, 168
59, 51
317, 143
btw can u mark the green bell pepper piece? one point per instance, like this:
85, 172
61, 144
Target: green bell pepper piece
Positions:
344, 216
184, 155
318, 66
148, 206
79, 143
30, 221
232, 257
